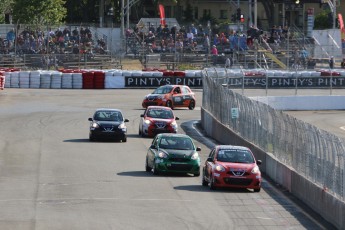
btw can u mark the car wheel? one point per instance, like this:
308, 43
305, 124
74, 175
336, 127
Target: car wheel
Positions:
124, 139
211, 184
204, 182
257, 189
191, 105
147, 167
197, 174
139, 132
169, 104
155, 170
91, 138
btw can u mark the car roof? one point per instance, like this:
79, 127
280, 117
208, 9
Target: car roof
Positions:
174, 85
223, 147
107, 109
158, 107
173, 135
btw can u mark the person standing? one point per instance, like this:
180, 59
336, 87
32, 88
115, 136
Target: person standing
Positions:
331, 62
214, 52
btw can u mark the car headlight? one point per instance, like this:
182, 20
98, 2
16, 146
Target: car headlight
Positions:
174, 124
195, 156
147, 122
220, 168
162, 155
123, 126
95, 125
255, 170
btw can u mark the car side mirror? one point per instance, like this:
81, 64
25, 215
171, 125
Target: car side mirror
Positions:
141, 115
90, 119
209, 159
152, 147
177, 118
126, 120
198, 149
258, 162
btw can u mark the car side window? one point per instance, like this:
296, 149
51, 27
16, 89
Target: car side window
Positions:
185, 90
212, 153
177, 90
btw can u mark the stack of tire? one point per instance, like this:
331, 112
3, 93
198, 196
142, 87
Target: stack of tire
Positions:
99, 79
2, 80
88, 80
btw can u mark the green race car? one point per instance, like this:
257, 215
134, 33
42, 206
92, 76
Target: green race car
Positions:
170, 152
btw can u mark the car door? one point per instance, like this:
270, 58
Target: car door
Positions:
151, 153
177, 96
208, 167
142, 118
186, 95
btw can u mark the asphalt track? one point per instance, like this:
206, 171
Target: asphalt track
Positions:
52, 177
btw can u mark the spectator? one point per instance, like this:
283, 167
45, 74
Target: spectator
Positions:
331, 62
228, 62
342, 64
152, 28
311, 63
214, 52
11, 35
194, 30
207, 43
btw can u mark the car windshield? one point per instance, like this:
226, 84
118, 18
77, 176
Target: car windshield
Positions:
163, 90
108, 116
179, 143
160, 113
235, 156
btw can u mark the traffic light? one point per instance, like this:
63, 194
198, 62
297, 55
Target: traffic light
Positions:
239, 14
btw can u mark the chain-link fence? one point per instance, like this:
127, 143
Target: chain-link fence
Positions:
316, 154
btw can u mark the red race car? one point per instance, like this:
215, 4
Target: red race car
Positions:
171, 96
157, 119
232, 166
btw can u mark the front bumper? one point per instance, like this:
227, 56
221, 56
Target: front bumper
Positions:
99, 134
192, 166
224, 180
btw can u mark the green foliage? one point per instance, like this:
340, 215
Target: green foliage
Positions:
188, 13
322, 21
30, 12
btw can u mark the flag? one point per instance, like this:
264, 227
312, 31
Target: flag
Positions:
162, 14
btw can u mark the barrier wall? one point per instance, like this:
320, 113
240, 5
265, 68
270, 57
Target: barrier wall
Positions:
328, 206
112, 79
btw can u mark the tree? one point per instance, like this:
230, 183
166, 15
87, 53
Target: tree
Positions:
5, 7
322, 20
30, 12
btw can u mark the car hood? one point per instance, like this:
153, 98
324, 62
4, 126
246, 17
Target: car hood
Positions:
235, 166
175, 153
160, 119
114, 123
154, 95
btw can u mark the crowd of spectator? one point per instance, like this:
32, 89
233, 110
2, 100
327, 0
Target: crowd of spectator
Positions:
202, 39
217, 41
60, 41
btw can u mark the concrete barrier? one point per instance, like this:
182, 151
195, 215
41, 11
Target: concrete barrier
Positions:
317, 198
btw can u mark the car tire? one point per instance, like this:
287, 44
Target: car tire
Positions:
211, 184
257, 189
147, 167
169, 104
124, 139
203, 181
155, 170
91, 138
197, 174
191, 105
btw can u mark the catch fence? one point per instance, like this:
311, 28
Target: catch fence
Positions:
314, 153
